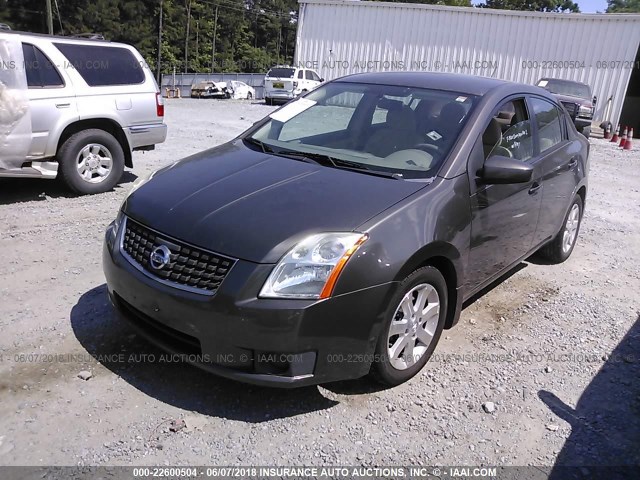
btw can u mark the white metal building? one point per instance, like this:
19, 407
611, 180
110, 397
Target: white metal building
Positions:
339, 37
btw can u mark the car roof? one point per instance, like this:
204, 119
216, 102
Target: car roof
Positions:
453, 82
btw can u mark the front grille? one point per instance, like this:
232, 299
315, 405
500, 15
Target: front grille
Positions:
188, 267
572, 108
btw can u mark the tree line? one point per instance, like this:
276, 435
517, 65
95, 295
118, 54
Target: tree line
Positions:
211, 35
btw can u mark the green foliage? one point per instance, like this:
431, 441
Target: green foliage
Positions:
624, 6
557, 6
250, 35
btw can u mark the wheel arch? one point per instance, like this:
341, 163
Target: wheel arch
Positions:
110, 126
447, 260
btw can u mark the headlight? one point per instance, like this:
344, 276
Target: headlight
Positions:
312, 267
112, 231
585, 110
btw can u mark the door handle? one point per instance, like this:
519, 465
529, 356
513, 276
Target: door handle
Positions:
534, 188
63, 105
572, 163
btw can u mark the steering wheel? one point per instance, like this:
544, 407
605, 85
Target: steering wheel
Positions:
427, 147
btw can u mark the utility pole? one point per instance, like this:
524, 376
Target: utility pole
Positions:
213, 43
49, 17
186, 37
159, 61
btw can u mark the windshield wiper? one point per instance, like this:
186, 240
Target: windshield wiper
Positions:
265, 148
326, 160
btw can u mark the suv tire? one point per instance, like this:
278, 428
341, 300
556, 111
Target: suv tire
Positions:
91, 161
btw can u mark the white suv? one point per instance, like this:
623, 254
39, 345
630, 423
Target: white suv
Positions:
283, 83
74, 109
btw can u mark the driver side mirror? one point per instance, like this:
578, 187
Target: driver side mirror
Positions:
500, 170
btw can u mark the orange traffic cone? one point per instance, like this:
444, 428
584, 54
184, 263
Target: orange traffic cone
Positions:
627, 143
615, 137
607, 131
623, 138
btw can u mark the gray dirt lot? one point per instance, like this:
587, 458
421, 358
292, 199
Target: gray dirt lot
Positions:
555, 348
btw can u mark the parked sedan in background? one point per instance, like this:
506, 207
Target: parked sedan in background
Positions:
576, 98
341, 234
240, 90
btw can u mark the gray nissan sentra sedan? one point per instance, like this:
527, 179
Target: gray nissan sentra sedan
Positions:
342, 233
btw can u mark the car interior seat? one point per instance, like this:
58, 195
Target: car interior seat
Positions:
491, 140
398, 132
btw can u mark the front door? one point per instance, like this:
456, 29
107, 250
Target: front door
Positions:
504, 216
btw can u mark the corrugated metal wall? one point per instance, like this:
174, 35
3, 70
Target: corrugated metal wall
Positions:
343, 37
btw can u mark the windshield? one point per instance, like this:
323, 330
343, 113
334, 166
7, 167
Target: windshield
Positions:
572, 89
403, 131
281, 72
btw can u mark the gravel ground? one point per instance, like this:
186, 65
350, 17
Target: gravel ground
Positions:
541, 370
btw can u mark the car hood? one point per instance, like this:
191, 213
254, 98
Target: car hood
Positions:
569, 98
255, 206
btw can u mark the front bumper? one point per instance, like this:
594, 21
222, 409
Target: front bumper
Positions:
234, 334
146, 135
582, 122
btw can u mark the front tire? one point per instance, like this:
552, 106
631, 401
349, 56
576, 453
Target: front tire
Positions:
91, 161
249, 96
414, 322
560, 248
268, 101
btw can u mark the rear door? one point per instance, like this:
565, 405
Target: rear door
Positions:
504, 216
51, 99
556, 158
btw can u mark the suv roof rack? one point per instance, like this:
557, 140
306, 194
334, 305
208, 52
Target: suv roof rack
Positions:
89, 36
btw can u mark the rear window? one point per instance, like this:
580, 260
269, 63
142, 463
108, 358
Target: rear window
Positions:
101, 66
281, 72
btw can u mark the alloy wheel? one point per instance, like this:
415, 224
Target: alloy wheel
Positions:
571, 228
413, 326
94, 163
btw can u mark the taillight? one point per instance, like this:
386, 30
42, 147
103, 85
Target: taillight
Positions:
159, 105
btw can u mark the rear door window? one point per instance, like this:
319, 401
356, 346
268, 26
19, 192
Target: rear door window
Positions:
547, 118
41, 73
103, 66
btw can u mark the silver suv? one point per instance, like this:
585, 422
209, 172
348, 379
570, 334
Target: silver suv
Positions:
75, 109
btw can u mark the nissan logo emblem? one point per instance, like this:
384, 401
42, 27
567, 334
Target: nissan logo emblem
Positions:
160, 257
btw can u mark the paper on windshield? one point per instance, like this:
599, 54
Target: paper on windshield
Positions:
292, 109
15, 118
543, 83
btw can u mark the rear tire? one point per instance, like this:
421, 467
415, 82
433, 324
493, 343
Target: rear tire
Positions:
268, 101
415, 319
249, 96
91, 161
560, 248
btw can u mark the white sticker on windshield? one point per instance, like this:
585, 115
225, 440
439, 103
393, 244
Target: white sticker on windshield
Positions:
461, 99
292, 109
433, 135
542, 83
